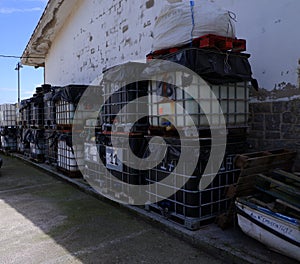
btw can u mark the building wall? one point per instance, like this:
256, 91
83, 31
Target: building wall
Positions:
100, 34
270, 28
275, 124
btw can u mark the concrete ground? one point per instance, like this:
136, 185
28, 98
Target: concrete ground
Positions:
44, 220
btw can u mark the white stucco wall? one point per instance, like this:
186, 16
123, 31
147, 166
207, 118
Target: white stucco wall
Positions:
271, 29
101, 33
97, 35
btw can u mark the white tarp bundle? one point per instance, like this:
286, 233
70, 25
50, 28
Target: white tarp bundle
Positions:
178, 23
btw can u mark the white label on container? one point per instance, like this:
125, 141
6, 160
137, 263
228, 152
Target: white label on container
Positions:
114, 157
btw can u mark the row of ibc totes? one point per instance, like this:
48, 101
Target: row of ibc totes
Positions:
153, 114
46, 124
181, 90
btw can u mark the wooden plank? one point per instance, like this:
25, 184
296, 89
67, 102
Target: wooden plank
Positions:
261, 203
285, 187
288, 205
282, 196
262, 169
288, 175
264, 158
245, 192
247, 179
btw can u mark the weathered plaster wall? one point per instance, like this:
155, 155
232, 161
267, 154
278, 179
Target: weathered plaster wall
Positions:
101, 33
270, 28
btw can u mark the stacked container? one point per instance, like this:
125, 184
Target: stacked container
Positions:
8, 139
8, 129
8, 115
49, 108
177, 105
37, 145
67, 100
69, 156
25, 112
118, 93
24, 138
104, 163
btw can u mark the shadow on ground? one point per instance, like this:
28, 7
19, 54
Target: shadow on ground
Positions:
44, 220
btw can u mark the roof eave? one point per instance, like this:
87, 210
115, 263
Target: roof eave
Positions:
50, 23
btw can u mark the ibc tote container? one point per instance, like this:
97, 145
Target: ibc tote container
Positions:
180, 107
49, 108
227, 75
25, 112
37, 111
51, 145
66, 103
118, 93
104, 163
67, 160
189, 206
8, 138
8, 115
37, 145
24, 138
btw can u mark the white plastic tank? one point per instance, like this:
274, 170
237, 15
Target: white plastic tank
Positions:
8, 115
179, 108
66, 156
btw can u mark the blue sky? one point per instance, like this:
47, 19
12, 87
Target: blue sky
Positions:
18, 19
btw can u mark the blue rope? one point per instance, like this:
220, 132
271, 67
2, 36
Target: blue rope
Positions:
193, 20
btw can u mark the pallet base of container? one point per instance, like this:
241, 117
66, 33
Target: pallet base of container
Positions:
209, 41
70, 174
38, 158
50, 127
64, 127
193, 133
117, 195
6, 151
50, 161
38, 127
187, 222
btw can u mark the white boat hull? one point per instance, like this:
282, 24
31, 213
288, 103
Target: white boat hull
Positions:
277, 234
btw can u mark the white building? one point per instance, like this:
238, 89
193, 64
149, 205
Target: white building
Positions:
76, 39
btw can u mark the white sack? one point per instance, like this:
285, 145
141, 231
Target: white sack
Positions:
174, 25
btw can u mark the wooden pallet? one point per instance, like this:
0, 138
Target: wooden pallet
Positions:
212, 41
70, 174
64, 127
50, 127
251, 165
209, 41
191, 223
119, 196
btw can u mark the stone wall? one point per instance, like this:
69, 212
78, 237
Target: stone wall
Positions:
274, 125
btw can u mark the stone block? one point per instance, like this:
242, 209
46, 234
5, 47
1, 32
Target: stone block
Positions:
262, 107
296, 107
289, 131
256, 134
258, 126
289, 117
272, 135
272, 122
258, 118
281, 107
